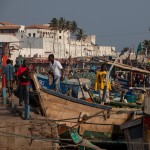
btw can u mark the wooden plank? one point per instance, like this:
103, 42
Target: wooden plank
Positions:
147, 102
127, 67
131, 123
125, 104
128, 139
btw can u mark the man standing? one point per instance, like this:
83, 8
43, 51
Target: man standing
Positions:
9, 71
56, 70
23, 77
100, 82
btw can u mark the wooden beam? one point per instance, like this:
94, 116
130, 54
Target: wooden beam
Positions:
127, 67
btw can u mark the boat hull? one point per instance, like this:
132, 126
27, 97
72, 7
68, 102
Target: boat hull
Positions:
79, 113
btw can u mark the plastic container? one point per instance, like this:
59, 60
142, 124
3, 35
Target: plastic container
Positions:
130, 98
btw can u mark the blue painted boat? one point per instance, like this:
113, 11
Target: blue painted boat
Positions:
44, 81
64, 86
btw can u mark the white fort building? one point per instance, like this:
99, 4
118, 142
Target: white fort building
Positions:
40, 41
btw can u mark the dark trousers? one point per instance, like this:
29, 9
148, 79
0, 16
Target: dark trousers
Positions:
9, 85
24, 94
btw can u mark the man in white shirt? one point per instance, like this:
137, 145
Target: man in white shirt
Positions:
56, 70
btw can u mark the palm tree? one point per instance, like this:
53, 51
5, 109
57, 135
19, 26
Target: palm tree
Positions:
68, 28
62, 27
54, 25
73, 29
68, 25
81, 37
146, 47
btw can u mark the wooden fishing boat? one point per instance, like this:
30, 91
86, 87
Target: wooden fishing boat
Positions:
78, 113
137, 133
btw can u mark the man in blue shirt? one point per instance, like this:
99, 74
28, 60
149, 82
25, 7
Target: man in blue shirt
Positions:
9, 71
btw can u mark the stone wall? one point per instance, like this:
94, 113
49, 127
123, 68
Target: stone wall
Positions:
16, 135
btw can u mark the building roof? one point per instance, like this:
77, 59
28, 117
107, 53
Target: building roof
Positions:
37, 27
5, 27
7, 23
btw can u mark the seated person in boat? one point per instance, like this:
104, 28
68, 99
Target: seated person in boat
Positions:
56, 70
139, 79
141, 97
100, 82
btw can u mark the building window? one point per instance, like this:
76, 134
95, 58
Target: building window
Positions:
34, 35
29, 35
59, 37
21, 36
59, 31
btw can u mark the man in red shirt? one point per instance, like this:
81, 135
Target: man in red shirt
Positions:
23, 77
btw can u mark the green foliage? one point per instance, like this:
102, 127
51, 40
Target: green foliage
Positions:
80, 35
62, 24
146, 47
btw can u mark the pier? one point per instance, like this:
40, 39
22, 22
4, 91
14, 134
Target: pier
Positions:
17, 133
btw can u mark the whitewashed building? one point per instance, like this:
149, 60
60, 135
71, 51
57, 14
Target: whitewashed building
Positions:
40, 41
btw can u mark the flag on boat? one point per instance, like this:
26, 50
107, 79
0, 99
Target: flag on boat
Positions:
148, 60
138, 49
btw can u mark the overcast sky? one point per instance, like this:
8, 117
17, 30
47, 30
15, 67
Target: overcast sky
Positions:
119, 23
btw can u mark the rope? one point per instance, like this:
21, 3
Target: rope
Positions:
14, 125
44, 146
56, 140
34, 138
30, 123
65, 120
